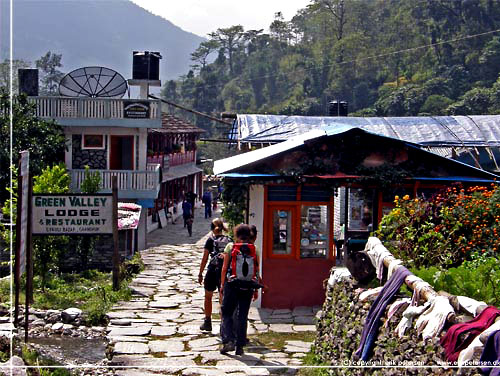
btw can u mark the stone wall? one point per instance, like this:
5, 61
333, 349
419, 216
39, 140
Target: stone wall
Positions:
95, 159
339, 332
102, 257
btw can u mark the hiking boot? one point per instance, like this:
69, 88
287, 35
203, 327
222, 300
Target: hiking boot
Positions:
239, 350
227, 347
207, 325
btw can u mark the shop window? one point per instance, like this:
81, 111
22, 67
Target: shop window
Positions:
360, 210
314, 231
282, 193
282, 232
312, 193
92, 141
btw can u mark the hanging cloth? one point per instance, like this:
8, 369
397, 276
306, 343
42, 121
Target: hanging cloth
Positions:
468, 354
408, 315
454, 340
432, 320
491, 355
372, 324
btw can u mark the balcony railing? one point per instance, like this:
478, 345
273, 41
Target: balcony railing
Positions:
92, 108
172, 159
131, 184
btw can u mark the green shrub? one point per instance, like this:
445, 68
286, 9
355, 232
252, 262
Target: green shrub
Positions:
446, 230
478, 278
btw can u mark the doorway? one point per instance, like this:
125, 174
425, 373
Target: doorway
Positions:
121, 153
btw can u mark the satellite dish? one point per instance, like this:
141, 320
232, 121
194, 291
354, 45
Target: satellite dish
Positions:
93, 82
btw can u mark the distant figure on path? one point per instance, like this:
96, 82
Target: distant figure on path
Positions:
187, 211
207, 201
189, 225
191, 198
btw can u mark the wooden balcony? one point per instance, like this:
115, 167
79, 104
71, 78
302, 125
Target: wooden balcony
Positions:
131, 184
167, 160
98, 111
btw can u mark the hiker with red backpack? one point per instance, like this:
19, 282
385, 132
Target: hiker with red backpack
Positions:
239, 283
214, 248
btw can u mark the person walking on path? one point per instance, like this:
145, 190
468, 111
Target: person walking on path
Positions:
187, 211
207, 201
214, 247
236, 292
191, 198
189, 225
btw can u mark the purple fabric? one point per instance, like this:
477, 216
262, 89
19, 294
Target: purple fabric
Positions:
372, 324
491, 355
459, 336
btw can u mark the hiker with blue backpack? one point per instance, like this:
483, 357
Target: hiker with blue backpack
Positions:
214, 248
239, 283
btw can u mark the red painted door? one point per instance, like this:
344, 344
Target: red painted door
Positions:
293, 270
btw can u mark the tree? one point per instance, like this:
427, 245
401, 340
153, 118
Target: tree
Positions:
48, 64
5, 73
280, 29
43, 139
201, 54
230, 40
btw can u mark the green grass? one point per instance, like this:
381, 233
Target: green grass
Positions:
91, 291
312, 359
278, 340
31, 358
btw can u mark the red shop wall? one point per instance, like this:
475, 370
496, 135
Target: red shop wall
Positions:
294, 283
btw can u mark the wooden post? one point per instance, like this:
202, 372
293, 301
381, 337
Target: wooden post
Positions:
116, 255
29, 245
29, 262
17, 261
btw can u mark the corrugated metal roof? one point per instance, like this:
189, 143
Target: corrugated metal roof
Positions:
231, 164
443, 131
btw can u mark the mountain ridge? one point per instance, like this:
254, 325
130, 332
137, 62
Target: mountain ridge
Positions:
93, 33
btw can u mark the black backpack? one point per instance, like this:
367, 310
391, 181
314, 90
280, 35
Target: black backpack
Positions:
220, 243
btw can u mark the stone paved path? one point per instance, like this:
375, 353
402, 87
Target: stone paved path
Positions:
158, 330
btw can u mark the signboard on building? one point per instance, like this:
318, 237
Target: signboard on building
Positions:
166, 162
133, 109
72, 214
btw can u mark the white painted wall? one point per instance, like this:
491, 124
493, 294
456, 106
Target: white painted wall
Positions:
142, 151
256, 217
68, 154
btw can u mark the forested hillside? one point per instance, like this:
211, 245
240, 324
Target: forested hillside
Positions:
385, 57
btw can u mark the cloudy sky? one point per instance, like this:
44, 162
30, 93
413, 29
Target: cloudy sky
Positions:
204, 16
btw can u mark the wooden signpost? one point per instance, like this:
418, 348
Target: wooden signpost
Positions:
59, 214
23, 244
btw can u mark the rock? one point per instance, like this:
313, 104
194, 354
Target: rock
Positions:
131, 348
121, 322
40, 314
52, 317
70, 314
57, 327
18, 369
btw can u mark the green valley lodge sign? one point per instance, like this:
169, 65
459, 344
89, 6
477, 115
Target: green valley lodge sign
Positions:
72, 214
